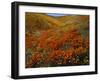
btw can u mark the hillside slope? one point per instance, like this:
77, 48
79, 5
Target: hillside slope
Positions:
35, 21
41, 21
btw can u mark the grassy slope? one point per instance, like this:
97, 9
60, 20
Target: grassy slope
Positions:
35, 21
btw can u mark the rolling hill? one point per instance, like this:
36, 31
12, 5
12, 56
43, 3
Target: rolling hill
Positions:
41, 21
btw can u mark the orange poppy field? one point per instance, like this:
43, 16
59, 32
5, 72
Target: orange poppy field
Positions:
53, 40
